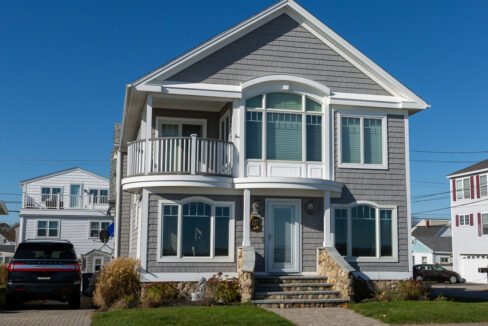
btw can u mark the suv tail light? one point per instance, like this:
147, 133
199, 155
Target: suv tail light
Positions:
77, 267
10, 267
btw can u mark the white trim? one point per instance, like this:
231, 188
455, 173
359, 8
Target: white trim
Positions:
467, 173
62, 212
160, 120
93, 262
297, 243
49, 175
288, 183
394, 231
384, 130
279, 80
176, 181
246, 205
180, 277
144, 229
193, 89
179, 258
407, 183
386, 275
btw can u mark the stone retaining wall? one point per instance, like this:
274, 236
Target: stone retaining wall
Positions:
338, 272
246, 260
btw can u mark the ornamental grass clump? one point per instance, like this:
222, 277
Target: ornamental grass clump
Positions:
405, 290
157, 295
118, 284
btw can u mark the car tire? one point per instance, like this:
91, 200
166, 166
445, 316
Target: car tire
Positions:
419, 278
10, 302
453, 279
74, 302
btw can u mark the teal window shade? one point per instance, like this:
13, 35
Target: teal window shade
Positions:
363, 228
312, 106
314, 138
255, 102
285, 101
386, 237
284, 136
351, 140
254, 135
341, 231
373, 141
170, 230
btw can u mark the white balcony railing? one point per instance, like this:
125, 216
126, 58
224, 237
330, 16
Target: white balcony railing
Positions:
60, 201
180, 155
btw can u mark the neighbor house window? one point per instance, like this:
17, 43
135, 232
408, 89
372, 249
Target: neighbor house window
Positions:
98, 196
365, 231
444, 260
463, 188
291, 124
96, 227
424, 260
464, 220
483, 185
197, 229
47, 229
484, 223
362, 141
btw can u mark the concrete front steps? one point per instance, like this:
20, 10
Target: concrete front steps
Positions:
295, 292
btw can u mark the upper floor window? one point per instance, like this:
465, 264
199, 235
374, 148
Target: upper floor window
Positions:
284, 126
483, 185
98, 196
463, 188
365, 231
50, 193
362, 141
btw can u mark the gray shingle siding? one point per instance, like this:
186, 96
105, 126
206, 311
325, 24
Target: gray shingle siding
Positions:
124, 214
153, 266
281, 46
387, 187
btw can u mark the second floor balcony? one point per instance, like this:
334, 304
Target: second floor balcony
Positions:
180, 155
61, 201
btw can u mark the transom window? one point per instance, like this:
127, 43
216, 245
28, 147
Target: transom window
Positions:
362, 141
463, 188
96, 227
197, 230
284, 126
47, 229
365, 231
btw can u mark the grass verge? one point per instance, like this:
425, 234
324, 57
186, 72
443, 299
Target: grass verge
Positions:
201, 316
424, 312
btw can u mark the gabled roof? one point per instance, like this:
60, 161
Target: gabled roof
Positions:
3, 208
431, 237
477, 167
97, 251
52, 174
298, 13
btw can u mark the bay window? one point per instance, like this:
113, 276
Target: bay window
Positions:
365, 231
284, 127
196, 230
362, 141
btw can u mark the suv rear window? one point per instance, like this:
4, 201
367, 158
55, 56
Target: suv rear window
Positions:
45, 251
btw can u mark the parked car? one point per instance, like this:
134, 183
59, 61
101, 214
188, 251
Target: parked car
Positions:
434, 272
42, 269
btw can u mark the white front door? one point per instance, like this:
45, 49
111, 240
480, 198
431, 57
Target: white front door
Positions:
283, 236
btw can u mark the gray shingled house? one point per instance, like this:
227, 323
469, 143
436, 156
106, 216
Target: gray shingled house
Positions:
275, 152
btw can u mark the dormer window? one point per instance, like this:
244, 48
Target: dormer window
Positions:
284, 126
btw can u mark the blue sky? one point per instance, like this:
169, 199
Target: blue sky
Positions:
64, 65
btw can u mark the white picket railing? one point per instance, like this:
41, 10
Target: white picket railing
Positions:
60, 201
181, 155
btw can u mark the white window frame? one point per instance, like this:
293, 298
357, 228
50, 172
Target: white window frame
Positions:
179, 257
444, 258
99, 227
460, 192
463, 218
47, 229
394, 231
93, 262
481, 185
303, 112
482, 228
96, 198
225, 122
180, 122
384, 133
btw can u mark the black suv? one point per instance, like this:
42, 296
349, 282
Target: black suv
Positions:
44, 269
437, 273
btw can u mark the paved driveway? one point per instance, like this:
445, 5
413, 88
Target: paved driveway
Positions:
50, 314
462, 292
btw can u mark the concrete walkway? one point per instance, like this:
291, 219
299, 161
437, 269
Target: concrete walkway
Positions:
52, 314
325, 316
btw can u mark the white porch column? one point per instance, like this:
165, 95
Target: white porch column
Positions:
246, 227
148, 134
328, 237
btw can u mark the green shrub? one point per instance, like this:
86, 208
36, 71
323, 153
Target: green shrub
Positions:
224, 290
405, 290
3, 274
160, 294
118, 283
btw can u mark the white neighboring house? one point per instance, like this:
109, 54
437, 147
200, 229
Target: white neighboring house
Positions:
469, 219
432, 243
71, 205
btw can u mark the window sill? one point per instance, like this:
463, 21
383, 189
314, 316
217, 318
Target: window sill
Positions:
196, 260
362, 166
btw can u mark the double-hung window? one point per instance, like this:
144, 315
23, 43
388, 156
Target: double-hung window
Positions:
47, 229
362, 141
284, 127
96, 227
483, 185
365, 231
196, 230
463, 188
98, 196
464, 220
484, 223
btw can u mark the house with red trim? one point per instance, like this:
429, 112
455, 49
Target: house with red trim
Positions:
469, 219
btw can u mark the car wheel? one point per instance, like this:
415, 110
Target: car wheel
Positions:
74, 302
10, 302
453, 279
419, 278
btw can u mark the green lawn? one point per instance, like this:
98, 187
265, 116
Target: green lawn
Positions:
201, 316
424, 312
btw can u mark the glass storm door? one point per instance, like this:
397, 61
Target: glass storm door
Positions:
282, 237
75, 196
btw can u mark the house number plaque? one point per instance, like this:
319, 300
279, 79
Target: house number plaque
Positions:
256, 223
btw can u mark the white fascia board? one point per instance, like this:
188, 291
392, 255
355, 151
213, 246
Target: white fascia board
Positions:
128, 93
465, 174
287, 183
194, 89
